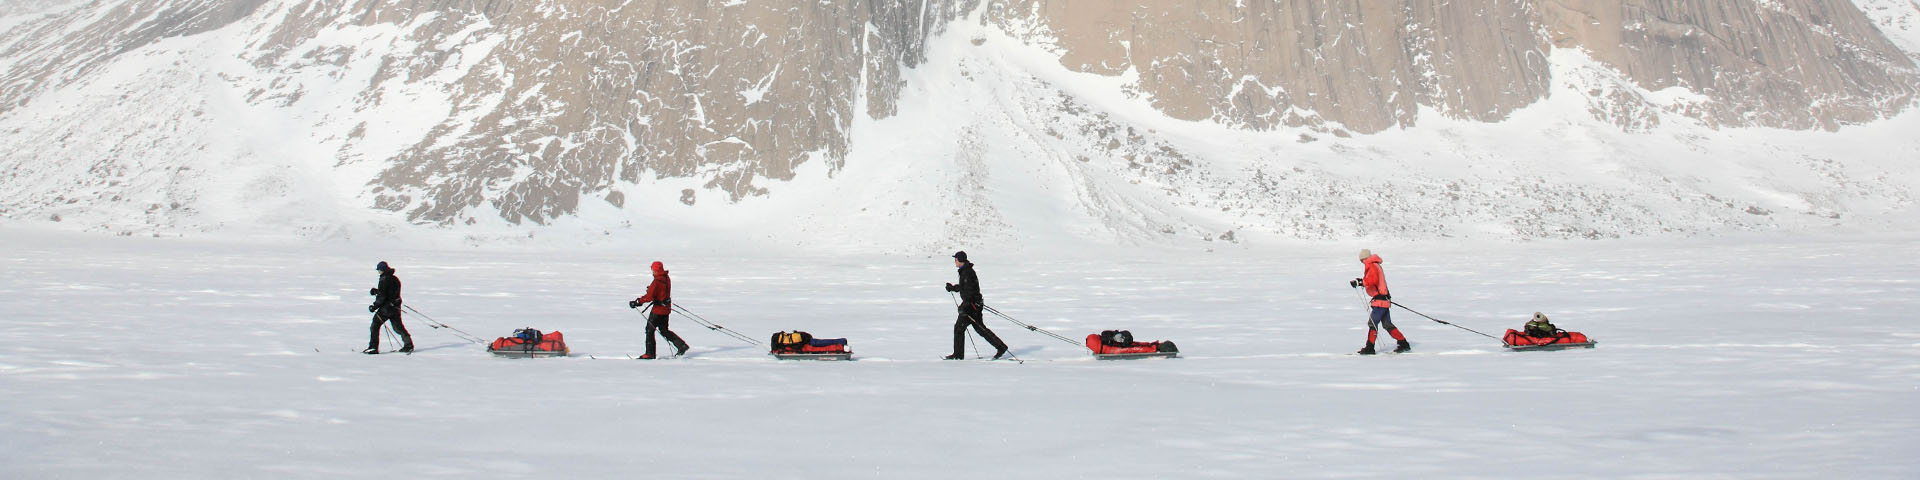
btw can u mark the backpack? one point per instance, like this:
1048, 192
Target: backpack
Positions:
527, 334
1116, 338
1540, 327
788, 339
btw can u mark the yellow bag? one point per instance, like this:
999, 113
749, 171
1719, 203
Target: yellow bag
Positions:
792, 338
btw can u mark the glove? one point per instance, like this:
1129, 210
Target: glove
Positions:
1354, 284
373, 291
633, 304
953, 288
373, 308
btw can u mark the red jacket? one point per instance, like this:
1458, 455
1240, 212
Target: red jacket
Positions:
1375, 280
660, 292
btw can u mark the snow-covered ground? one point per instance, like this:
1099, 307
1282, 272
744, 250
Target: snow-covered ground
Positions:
1728, 358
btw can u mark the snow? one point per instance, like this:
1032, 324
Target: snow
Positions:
1723, 353
1035, 140
1752, 357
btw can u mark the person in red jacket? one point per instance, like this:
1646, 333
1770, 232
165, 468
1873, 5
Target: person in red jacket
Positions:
660, 294
1375, 281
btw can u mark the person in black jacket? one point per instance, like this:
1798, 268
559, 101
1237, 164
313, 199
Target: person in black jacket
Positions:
386, 308
971, 305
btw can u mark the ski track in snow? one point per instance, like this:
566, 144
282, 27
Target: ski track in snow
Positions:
1717, 359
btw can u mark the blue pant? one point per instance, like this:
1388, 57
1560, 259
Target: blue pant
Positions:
1381, 316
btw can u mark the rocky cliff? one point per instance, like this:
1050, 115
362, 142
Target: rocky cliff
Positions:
462, 111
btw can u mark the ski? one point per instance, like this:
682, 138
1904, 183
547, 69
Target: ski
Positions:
669, 357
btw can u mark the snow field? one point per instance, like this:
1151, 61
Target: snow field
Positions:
1732, 358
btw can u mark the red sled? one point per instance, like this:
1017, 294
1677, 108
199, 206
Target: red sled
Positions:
530, 343
798, 345
1562, 340
1106, 347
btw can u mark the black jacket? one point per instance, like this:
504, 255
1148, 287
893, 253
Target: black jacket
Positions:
388, 297
969, 287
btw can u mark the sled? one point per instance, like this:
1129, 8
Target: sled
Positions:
1119, 345
527, 353
1131, 356
1548, 347
529, 343
813, 356
798, 345
1563, 340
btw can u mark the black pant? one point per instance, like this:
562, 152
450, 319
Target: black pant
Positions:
383, 316
971, 317
659, 322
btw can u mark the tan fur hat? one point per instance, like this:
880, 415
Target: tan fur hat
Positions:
1366, 253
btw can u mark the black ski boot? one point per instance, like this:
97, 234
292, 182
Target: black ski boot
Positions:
1367, 350
644, 357
999, 353
371, 351
408, 348
954, 357
1402, 347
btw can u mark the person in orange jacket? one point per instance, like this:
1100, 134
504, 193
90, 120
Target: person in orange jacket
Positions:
1375, 281
660, 294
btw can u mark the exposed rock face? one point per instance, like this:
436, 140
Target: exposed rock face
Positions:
1783, 63
547, 104
579, 95
1369, 65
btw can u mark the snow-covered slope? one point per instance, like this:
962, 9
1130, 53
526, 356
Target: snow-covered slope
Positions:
960, 123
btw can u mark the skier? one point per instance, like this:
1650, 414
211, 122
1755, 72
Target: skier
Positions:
1375, 281
386, 308
971, 305
660, 294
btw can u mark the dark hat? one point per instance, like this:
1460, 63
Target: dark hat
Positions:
961, 256
382, 267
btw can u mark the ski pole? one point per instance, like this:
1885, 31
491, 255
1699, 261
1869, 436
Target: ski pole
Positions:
391, 339
712, 326
436, 324
1031, 327
1443, 322
976, 345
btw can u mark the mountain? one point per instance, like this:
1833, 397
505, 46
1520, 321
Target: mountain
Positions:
918, 125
